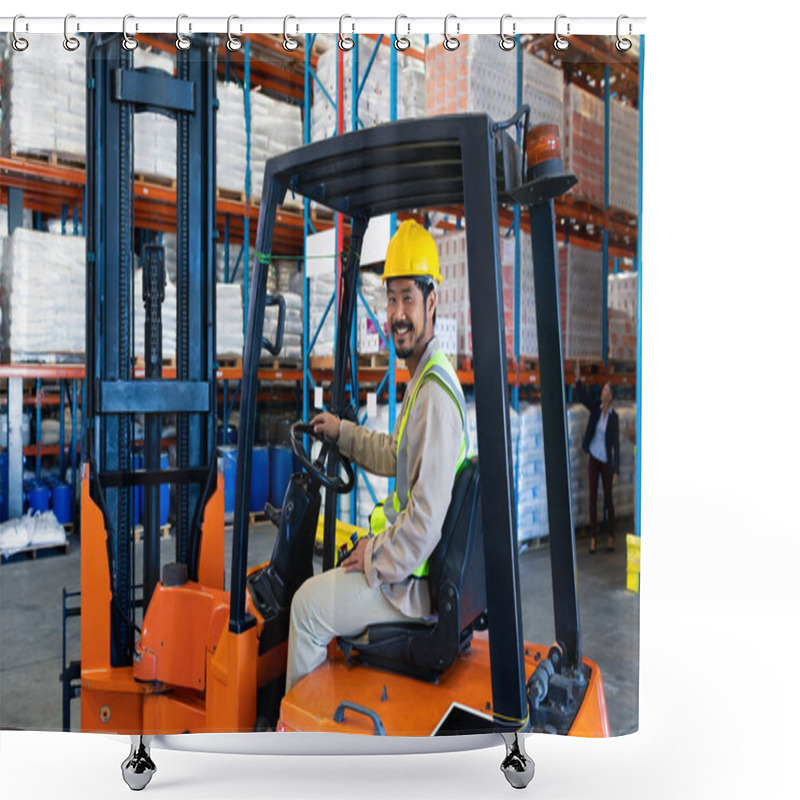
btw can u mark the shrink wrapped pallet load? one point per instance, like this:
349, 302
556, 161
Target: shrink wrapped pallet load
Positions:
37, 323
154, 135
623, 305
230, 320
580, 286
622, 336
542, 90
292, 349
453, 294
577, 419
583, 144
623, 293
370, 340
44, 103
475, 77
275, 128
532, 519
625, 488
623, 178
375, 96
320, 291
231, 137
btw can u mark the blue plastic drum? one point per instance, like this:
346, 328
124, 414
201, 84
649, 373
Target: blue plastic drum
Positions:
62, 502
280, 473
38, 498
259, 481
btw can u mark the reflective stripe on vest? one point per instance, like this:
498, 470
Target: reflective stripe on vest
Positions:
385, 514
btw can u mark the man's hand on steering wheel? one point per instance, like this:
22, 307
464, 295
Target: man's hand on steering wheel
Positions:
318, 467
327, 424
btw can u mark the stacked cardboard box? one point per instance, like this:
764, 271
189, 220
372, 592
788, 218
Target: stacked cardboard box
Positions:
580, 285
623, 178
275, 127
542, 90
478, 76
375, 98
320, 291
623, 306
454, 300
623, 292
155, 136
621, 336
292, 348
583, 143
37, 322
44, 101
230, 320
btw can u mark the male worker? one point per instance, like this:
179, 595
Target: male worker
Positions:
384, 579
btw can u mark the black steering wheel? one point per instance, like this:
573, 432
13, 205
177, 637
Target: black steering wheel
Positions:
316, 468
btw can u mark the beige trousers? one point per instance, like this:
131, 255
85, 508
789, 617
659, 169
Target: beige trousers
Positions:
334, 603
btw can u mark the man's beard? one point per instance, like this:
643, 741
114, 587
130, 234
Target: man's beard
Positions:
412, 348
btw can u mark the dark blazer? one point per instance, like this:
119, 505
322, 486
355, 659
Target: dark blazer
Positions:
612, 428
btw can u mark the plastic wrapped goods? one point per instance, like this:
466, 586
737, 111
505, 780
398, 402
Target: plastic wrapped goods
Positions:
44, 102
292, 349
542, 90
375, 97
580, 279
623, 168
230, 320
583, 143
36, 321
454, 299
478, 76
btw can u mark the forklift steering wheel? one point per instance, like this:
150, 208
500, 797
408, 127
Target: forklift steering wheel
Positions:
316, 468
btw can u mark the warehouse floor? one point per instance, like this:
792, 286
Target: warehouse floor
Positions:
30, 625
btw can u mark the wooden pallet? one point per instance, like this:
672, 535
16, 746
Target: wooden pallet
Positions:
373, 360
138, 532
231, 194
157, 180
321, 362
166, 363
258, 518
527, 363
622, 216
229, 362
55, 159
36, 551
280, 363
13, 357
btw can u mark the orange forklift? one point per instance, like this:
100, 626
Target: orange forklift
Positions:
210, 657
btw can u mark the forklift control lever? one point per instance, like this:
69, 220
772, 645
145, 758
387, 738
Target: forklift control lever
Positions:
275, 348
273, 514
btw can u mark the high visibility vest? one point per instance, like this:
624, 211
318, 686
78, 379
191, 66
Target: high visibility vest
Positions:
386, 513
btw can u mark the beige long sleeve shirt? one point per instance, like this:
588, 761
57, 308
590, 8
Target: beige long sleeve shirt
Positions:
434, 431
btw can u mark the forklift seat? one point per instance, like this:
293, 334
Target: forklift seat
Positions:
426, 648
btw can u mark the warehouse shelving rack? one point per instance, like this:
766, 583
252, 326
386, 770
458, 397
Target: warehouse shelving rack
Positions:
50, 188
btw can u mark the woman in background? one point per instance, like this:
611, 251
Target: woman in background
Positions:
601, 442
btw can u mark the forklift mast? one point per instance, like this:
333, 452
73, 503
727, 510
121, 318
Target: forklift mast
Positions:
116, 92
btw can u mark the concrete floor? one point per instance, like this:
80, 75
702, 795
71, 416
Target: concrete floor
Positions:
30, 626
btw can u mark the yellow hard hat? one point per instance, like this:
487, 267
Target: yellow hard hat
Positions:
412, 253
